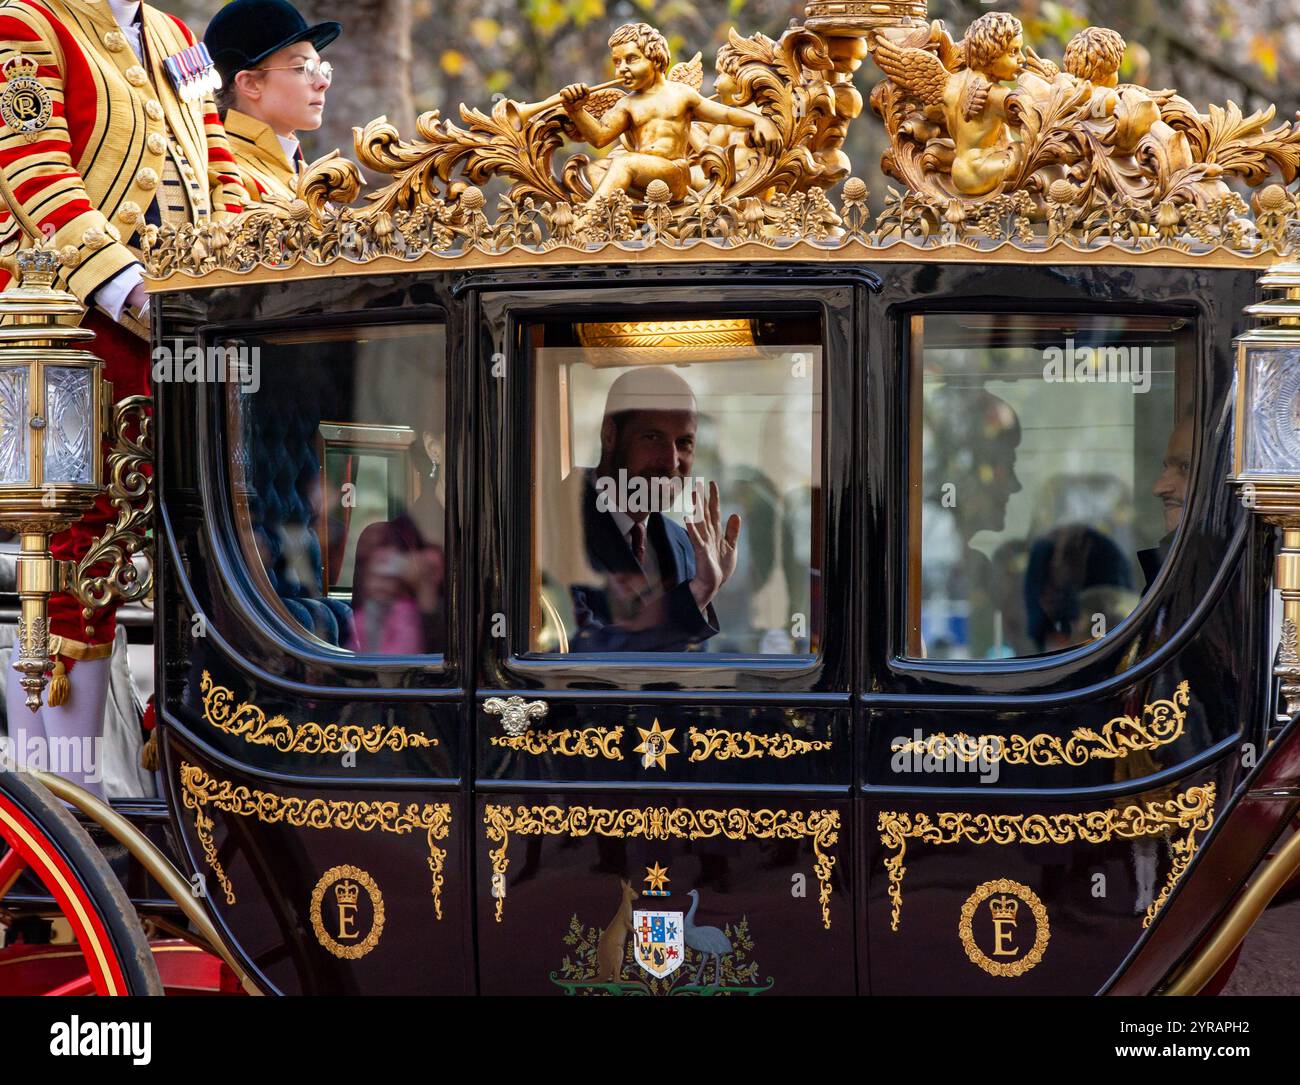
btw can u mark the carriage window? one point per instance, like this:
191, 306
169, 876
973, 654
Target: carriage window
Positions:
677, 488
1049, 465
338, 482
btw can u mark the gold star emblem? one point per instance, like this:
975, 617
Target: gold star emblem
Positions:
656, 875
655, 746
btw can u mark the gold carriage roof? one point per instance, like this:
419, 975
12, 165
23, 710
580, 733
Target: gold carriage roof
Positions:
999, 155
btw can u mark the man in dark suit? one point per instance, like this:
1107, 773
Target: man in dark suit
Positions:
660, 579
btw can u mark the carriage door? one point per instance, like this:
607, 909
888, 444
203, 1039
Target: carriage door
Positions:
663, 714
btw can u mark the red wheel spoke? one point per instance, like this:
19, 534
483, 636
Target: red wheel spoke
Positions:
83, 985
11, 866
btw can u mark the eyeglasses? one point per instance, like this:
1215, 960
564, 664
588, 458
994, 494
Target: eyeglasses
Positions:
311, 70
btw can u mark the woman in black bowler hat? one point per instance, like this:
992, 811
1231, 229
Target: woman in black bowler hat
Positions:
273, 87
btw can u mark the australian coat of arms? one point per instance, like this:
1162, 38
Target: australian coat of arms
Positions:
642, 951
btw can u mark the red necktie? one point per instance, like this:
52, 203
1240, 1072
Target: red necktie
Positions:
637, 538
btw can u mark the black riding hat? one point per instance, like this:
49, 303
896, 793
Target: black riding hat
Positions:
244, 33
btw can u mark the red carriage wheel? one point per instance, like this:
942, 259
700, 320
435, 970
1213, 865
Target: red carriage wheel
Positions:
39, 836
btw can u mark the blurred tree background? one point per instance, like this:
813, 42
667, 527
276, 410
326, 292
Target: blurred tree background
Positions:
401, 57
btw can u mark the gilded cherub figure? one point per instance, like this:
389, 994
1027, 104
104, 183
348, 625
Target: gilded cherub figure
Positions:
1094, 56
975, 105
653, 118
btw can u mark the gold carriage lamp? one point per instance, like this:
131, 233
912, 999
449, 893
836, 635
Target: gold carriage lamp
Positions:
1266, 448
51, 424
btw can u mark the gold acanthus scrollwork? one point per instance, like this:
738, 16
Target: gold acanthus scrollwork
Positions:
245, 720
663, 823
571, 742
130, 491
1159, 724
199, 791
1190, 812
723, 745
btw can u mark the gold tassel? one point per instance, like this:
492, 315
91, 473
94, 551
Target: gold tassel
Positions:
149, 753
60, 686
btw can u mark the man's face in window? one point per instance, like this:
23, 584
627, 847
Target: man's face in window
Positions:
654, 444
1171, 486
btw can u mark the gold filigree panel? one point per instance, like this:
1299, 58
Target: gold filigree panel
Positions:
723, 745
245, 720
1190, 812
662, 823
1159, 724
711, 743
199, 791
594, 742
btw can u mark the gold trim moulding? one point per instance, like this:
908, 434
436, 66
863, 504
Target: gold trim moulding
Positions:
1159, 724
1190, 812
1061, 254
199, 790
245, 720
662, 823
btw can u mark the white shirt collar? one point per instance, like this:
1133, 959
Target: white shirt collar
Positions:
290, 146
125, 12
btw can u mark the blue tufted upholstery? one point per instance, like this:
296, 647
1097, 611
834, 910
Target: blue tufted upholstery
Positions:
284, 473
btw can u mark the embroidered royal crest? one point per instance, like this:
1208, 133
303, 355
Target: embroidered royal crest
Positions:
659, 946
25, 104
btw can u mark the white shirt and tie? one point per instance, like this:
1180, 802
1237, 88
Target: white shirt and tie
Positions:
650, 563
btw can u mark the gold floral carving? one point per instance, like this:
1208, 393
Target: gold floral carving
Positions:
723, 745
200, 791
1159, 724
245, 720
340, 875
1042, 930
663, 823
571, 742
1190, 812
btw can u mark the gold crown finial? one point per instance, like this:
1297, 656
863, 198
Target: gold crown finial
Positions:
347, 892
1004, 907
37, 267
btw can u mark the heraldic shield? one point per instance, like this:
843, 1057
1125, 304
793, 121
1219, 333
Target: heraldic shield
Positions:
658, 943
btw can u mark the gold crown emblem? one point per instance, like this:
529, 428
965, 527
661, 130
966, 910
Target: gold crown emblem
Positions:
347, 892
20, 67
1004, 907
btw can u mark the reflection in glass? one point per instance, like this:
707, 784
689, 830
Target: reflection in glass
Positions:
336, 472
68, 429
674, 494
15, 465
1050, 456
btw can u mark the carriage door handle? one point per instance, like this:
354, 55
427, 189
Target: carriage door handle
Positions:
515, 713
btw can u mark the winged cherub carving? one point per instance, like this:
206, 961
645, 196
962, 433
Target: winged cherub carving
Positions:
974, 105
653, 119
